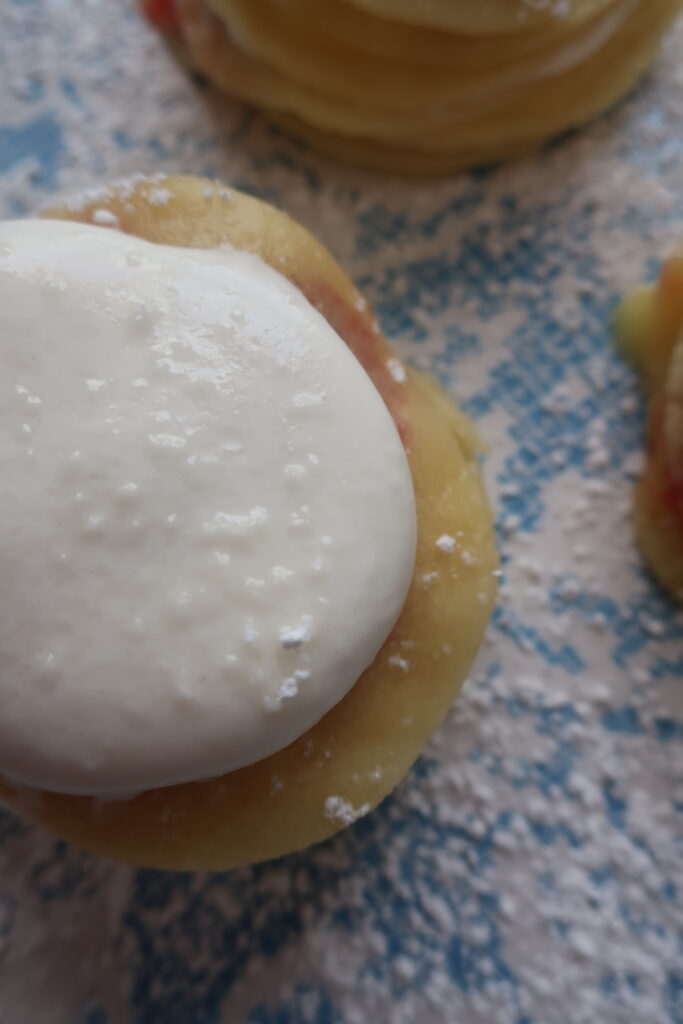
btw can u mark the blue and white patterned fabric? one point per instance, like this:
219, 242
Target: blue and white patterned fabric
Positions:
530, 869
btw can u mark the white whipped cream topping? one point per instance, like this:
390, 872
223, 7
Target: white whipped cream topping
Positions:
207, 516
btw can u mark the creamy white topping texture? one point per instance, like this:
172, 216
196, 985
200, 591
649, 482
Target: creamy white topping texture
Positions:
207, 522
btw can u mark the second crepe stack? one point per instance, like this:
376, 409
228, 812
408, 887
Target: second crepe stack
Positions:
421, 85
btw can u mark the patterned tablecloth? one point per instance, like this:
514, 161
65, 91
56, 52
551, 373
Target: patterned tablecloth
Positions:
530, 869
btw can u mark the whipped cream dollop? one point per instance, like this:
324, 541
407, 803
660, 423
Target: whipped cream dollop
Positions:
207, 520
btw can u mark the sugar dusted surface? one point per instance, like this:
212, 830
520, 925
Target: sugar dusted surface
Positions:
529, 870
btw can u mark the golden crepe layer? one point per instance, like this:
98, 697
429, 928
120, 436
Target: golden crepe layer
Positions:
650, 329
361, 749
435, 87
485, 15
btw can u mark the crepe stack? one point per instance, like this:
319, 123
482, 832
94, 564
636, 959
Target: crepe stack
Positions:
416, 86
351, 758
649, 326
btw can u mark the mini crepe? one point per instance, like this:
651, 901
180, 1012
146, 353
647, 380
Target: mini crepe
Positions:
408, 98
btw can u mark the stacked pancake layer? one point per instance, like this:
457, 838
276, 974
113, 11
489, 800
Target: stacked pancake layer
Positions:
421, 87
650, 331
355, 754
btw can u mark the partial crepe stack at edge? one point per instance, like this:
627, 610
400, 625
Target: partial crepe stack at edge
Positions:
411, 98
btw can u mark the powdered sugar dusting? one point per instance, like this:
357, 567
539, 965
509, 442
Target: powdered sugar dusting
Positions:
159, 197
396, 661
397, 370
105, 218
343, 811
